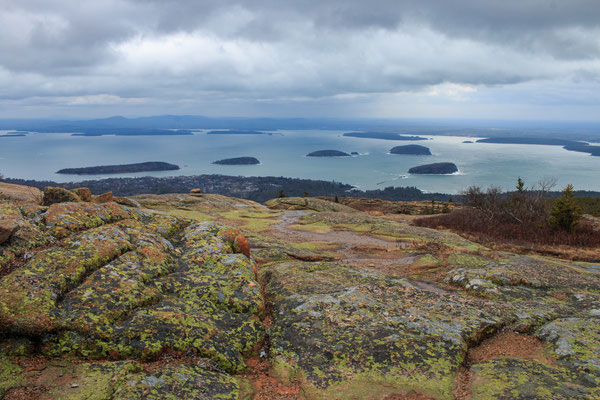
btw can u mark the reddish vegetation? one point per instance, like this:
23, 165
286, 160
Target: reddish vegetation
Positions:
508, 344
503, 344
265, 385
465, 222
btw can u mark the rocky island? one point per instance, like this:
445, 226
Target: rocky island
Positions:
412, 149
442, 168
238, 161
382, 135
121, 169
328, 153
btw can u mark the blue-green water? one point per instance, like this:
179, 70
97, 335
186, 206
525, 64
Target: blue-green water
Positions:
39, 156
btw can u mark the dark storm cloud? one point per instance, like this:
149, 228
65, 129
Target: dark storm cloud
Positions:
169, 51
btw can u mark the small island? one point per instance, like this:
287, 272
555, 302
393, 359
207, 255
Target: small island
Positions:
355, 153
382, 135
468, 141
238, 161
412, 149
233, 132
442, 168
328, 153
120, 169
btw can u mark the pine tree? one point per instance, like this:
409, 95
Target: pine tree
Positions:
565, 213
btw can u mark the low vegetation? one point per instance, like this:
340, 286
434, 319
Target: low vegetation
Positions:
524, 217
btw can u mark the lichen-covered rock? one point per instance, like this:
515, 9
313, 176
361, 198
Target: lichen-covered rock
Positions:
20, 193
349, 333
53, 195
124, 201
63, 219
307, 203
103, 198
26, 237
132, 284
10, 376
7, 228
180, 382
576, 343
84, 193
509, 379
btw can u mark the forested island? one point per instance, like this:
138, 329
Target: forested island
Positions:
383, 136
412, 149
234, 132
328, 153
238, 161
121, 169
442, 168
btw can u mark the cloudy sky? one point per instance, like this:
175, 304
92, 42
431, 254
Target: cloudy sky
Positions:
514, 59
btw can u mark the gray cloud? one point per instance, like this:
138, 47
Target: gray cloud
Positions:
177, 53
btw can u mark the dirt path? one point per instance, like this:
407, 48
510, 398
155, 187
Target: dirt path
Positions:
345, 239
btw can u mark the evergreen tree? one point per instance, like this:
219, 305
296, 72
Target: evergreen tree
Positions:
565, 213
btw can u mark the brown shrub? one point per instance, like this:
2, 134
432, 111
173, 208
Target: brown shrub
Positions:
475, 222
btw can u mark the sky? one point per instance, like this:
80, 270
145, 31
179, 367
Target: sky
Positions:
510, 59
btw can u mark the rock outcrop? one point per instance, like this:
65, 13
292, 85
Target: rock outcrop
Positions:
306, 299
53, 195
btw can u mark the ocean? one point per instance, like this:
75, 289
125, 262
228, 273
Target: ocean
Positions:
283, 153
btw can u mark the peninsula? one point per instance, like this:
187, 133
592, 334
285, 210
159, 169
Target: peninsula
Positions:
328, 153
412, 149
234, 132
383, 136
584, 148
532, 140
131, 132
238, 161
442, 168
120, 169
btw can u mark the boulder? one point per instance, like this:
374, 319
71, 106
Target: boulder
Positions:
124, 201
84, 193
20, 193
196, 191
7, 228
103, 198
53, 195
